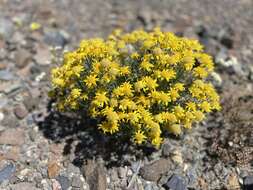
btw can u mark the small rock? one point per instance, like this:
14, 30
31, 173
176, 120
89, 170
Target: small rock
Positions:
22, 58
64, 182
6, 75
12, 154
6, 29
55, 38
56, 185
217, 80
7, 172
23, 186
43, 55
95, 175
248, 183
32, 135
3, 66
177, 157
122, 172
166, 149
152, 172
233, 182
12, 136
175, 183
20, 111
53, 169
76, 182
1, 116
73, 169
145, 17
226, 38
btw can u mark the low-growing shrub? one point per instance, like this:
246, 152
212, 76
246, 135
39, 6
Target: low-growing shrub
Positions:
143, 82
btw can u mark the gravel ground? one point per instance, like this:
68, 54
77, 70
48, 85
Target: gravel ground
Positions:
43, 149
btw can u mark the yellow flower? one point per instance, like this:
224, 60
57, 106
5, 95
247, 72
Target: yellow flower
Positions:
168, 74
199, 116
205, 106
191, 106
139, 137
75, 93
126, 89
139, 85
125, 70
35, 26
77, 70
108, 127
111, 115
58, 82
150, 83
145, 65
100, 99
200, 72
157, 142
127, 104
174, 128
91, 81
142, 81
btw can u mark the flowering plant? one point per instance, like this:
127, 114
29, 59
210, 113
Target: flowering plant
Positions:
145, 82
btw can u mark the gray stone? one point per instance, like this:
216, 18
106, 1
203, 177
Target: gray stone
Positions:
22, 58
20, 111
7, 172
76, 182
55, 38
64, 182
6, 75
175, 183
166, 149
73, 169
153, 172
6, 28
122, 172
12, 136
248, 183
95, 175
23, 186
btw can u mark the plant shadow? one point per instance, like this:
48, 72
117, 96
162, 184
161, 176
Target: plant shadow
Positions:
82, 139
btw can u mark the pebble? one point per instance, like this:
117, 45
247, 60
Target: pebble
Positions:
22, 58
6, 75
43, 56
56, 38
177, 157
226, 37
95, 175
76, 182
166, 149
20, 111
1, 116
122, 171
72, 169
6, 28
248, 183
56, 185
7, 172
175, 183
64, 182
12, 136
53, 169
233, 182
23, 186
153, 171
217, 80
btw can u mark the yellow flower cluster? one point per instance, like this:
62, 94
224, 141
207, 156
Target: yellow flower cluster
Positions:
144, 82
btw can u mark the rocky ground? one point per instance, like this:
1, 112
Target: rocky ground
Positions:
42, 149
